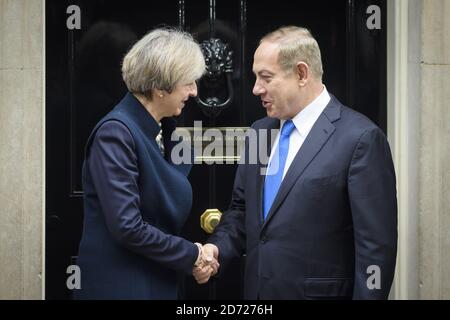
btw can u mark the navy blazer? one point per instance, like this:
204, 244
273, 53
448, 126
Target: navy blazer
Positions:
333, 219
135, 204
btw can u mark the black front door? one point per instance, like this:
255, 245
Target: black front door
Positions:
83, 82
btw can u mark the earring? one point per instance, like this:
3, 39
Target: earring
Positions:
161, 95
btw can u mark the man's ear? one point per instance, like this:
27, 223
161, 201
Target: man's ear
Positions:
303, 73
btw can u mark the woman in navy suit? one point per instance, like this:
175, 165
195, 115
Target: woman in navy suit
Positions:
136, 199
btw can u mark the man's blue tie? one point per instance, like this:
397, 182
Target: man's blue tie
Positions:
276, 167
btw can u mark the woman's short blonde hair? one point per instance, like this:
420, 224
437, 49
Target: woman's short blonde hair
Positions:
161, 60
296, 44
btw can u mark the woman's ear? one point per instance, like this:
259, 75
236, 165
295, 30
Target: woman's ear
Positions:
158, 93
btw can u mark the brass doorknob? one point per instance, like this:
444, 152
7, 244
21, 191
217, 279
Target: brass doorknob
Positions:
210, 219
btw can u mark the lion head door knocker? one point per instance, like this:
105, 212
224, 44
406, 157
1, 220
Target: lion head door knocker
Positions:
217, 88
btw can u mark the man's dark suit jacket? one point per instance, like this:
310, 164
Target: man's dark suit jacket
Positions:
333, 219
135, 204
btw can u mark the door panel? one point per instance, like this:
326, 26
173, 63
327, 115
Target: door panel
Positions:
84, 83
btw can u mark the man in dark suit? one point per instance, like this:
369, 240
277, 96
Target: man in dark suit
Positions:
321, 223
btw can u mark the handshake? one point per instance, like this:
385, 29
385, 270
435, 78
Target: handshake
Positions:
207, 264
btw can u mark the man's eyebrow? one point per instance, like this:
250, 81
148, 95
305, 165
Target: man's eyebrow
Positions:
264, 71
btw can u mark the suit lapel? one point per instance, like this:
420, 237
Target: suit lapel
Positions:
316, 139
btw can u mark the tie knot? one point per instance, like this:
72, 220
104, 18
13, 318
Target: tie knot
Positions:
287, 128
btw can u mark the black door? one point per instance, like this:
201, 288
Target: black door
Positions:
83, 82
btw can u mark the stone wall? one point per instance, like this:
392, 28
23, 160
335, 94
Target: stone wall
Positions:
21, 148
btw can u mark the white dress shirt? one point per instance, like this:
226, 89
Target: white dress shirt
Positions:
303, 121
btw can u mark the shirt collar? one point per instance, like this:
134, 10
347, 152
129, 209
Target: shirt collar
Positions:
305, 119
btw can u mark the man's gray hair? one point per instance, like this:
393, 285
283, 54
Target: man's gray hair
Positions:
161, 60
296, 44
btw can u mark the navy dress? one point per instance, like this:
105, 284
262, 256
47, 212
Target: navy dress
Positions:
135, 203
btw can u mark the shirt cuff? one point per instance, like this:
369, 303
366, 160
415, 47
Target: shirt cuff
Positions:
199, 258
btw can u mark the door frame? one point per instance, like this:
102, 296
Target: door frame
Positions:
403, 111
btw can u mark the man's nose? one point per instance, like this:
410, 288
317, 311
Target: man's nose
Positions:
257, 89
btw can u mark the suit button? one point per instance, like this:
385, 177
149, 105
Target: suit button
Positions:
263, 239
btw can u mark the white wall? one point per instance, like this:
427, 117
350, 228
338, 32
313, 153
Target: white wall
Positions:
434, 161
21, 148
419, 131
